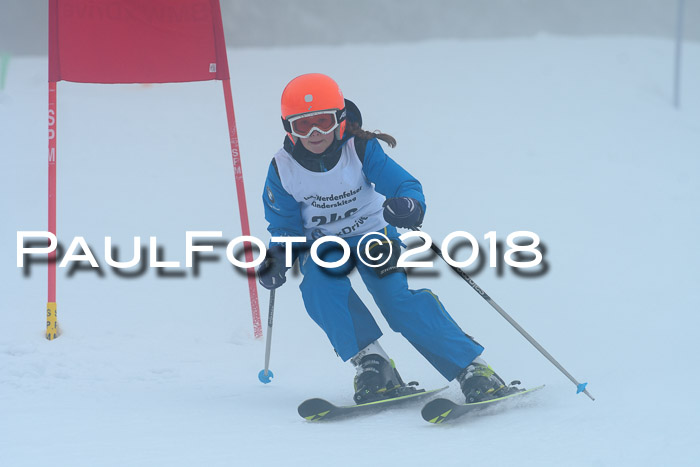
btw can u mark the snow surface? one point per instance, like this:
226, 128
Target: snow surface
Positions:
574, 139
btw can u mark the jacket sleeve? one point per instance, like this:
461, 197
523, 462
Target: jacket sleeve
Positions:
389, 178
282, 211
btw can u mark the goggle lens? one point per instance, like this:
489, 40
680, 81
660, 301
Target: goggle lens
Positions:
303, 126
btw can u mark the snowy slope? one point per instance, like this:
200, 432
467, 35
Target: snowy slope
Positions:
572, 139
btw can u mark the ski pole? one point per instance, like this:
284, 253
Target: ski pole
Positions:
265, 376
580, 387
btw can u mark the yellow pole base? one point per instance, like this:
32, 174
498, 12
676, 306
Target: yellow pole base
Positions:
51, 321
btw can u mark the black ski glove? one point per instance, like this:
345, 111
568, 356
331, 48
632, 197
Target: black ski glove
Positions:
271, 273
403, 212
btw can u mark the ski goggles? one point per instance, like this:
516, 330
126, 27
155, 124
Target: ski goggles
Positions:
323, 121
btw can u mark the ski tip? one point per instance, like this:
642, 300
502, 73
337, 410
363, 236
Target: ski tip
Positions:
314, 410
265, 378
437, 410
581, 387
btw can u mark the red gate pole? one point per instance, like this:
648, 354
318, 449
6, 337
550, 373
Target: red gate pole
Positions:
242, 205
51, 319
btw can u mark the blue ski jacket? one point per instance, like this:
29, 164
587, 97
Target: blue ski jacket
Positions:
283, 212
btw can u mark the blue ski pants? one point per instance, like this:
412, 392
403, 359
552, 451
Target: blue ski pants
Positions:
417, 314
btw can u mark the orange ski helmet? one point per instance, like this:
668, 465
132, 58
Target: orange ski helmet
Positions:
309, 93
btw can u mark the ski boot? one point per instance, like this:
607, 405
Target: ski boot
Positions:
480, 383
378, 379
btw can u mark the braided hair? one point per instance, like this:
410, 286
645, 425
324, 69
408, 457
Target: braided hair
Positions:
353, 126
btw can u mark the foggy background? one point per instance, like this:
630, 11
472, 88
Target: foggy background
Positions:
549, 116
23, 23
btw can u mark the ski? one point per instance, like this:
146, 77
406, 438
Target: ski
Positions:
442, 410
320, 409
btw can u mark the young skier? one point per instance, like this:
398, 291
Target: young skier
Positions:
333, 178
